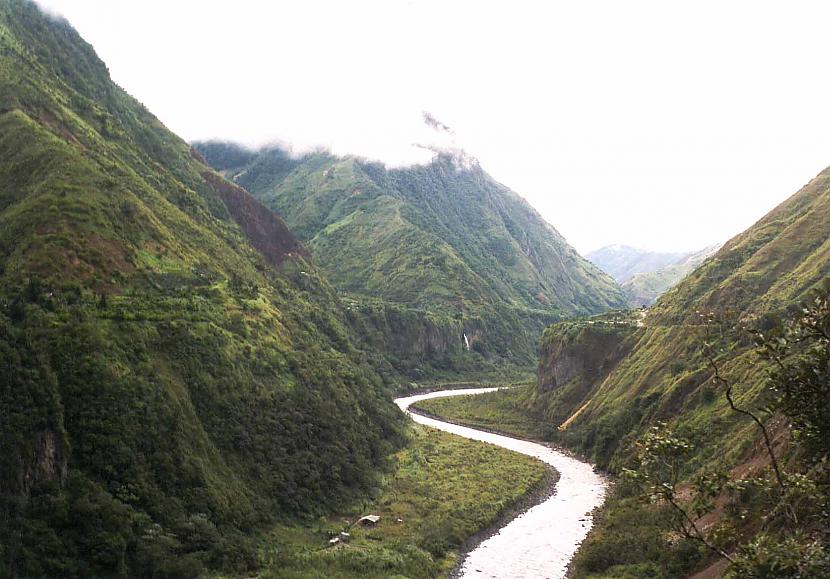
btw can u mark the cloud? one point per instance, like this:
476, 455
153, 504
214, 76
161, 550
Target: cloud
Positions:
431, 121
50, 10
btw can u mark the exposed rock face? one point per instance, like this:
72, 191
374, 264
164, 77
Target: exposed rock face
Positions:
49, 461
405, 332
579, 351
265, 230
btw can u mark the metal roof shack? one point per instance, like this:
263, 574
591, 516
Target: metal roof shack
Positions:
369, 520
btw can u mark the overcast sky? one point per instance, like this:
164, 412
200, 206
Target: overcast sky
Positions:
663, 125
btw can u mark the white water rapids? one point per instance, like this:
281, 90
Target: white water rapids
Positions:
540, 542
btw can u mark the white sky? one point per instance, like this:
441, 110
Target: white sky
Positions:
663, 125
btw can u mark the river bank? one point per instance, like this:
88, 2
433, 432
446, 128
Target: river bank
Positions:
440, 490
542, 541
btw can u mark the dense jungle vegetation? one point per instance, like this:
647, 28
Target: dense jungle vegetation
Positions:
169, 381
446, 271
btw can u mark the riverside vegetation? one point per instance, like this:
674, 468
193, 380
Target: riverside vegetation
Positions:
647, 395
177, 376
441, 490
182, 389
664, 518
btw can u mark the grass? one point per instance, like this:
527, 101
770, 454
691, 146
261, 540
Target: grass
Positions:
628, 539
505, 411
442, 490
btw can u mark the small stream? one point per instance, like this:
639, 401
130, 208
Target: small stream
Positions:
542, 541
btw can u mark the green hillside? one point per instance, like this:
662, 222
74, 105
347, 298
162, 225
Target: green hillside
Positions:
464, 255
636, 393
766, 268
607, 382
653, 368
174, 373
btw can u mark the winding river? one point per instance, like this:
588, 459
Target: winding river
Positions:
542, 541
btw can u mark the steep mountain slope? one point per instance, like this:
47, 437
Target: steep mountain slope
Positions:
443, 239
655, 369
638, 392
623, 261
610, 381
642, 289
173, 371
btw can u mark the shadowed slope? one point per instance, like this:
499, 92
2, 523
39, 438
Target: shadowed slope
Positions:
164, 388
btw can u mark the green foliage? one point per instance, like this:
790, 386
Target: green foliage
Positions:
165, 391
794, 557
791, 507
443, 490
506, 410
628, 540
459, 252
801, 374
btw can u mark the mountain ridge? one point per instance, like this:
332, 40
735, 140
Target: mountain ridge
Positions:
622, 261
174, 372
643, 288
607, 382
443, 238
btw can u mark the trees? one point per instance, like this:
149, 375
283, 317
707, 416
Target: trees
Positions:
781, 529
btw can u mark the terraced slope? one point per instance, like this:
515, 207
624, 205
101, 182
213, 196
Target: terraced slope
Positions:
174, 373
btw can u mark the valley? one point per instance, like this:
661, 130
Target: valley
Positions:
445, 271
222, 360
542, 540
442, 492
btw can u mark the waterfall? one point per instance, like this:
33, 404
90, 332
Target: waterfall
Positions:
466, 342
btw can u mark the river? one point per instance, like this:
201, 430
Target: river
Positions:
540, 542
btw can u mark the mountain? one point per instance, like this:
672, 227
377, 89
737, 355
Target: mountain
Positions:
174, 371
441, 254
623, 261
642, 289
608, 381
619, 373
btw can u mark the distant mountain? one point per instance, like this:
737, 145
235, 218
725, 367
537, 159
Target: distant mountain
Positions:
175, 373
642, 289
623, 261
441, 256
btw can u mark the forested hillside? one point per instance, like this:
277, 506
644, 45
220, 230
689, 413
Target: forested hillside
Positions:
434, 260
174, 372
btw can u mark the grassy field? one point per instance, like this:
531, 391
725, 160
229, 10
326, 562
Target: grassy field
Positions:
504, 411
443, 490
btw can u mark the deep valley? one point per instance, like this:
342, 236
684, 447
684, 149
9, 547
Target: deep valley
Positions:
208, 351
